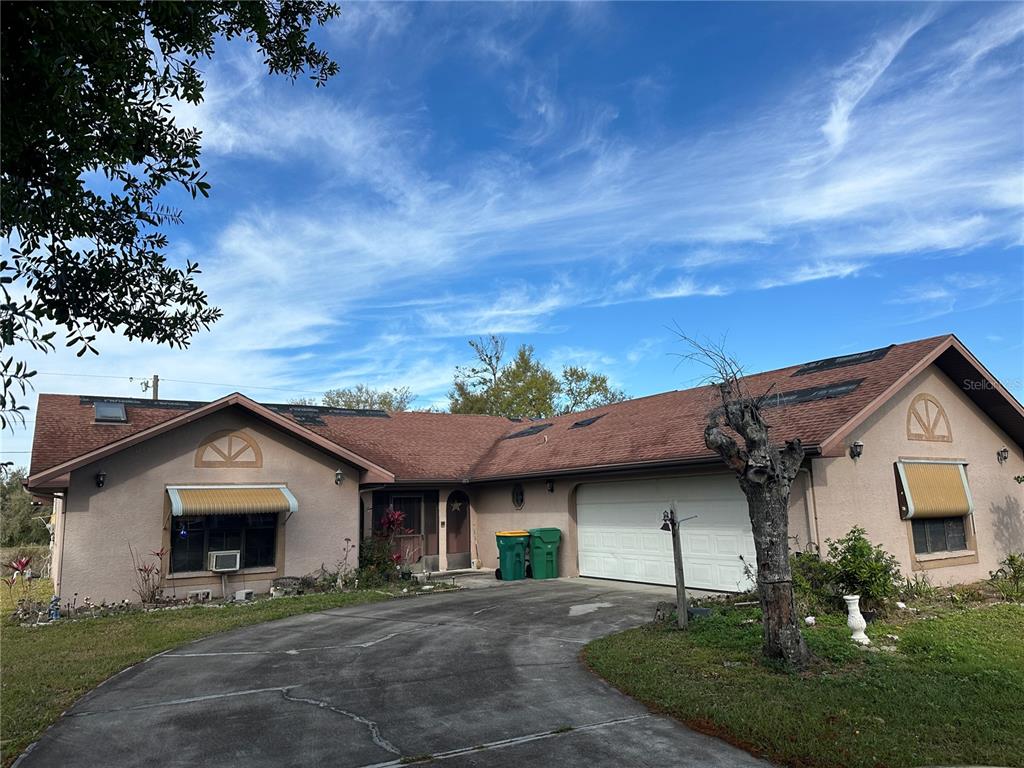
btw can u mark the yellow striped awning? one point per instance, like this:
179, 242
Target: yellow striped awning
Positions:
193, 500
934, 489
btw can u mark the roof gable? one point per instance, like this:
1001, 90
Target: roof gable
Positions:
67, 418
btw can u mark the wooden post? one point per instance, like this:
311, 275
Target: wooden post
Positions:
156, 387
677, 555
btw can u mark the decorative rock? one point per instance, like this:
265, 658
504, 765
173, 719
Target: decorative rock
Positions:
810, 621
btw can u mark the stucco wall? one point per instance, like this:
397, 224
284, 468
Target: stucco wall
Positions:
493, 511
132, 507
863, 492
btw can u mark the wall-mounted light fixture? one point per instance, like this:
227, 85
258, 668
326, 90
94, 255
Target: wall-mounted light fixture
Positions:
1003, 454
667, 518
856, 449
339, 477
101, 479
551, 486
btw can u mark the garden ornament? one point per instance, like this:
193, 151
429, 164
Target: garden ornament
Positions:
855, 621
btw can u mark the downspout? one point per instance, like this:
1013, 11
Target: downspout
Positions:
812, 506
59, 570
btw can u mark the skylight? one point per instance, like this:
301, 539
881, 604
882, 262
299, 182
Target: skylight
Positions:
308, 417
842, 361
110, 413
586, 422
811, 394
528, 431
313, 414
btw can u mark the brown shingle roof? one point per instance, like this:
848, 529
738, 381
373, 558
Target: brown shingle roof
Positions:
670, 427
436, 446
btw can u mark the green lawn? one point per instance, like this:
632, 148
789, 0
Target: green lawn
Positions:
950, 694
43, 670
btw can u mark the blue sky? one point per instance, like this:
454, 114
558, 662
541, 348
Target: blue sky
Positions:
807, 180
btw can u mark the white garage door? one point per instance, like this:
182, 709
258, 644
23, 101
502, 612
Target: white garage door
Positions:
619, 537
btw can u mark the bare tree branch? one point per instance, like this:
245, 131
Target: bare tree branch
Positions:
765, 473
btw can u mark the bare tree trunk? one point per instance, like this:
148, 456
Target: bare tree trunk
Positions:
781, 636
765, 472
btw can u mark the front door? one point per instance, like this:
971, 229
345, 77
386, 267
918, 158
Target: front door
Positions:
458, 530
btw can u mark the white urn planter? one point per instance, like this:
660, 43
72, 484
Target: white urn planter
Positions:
855, 621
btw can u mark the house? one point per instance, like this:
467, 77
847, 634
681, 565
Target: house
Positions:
915, 442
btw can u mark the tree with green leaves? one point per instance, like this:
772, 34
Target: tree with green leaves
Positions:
89, 146
583, 390
21, 521
524, 387
363, 397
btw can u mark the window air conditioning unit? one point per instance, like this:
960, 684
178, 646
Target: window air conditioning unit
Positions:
225, 562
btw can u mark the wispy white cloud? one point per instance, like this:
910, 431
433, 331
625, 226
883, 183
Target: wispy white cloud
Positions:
858, 76
805, 273
519, 309
953, 292
685, 286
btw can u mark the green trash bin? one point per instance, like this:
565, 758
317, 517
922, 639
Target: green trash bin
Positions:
512, 555
544, 552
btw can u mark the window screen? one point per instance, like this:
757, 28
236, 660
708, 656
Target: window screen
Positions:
188, 545
939, 534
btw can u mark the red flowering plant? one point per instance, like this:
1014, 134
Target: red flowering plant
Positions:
19, 566
148, 575
379, 557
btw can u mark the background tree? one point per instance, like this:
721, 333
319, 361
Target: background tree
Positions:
88, 143
364, 397
524, 387
475, 386
17, 525
765, 472
582, 390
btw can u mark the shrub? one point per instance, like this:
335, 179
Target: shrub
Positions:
1008, 579
814, 582
864, 569
918, 588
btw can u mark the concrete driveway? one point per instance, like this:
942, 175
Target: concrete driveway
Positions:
483, 677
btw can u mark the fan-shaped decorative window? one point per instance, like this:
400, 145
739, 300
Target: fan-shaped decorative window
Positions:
229, 449
927, 420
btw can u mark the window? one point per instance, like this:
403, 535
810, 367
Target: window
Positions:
193, 538
939, 534
188, 545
